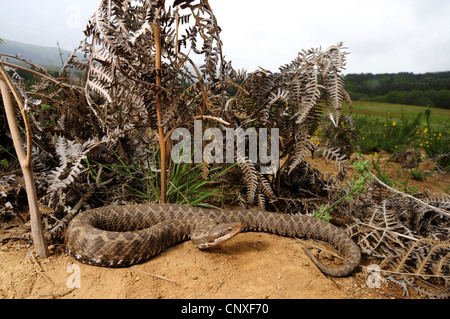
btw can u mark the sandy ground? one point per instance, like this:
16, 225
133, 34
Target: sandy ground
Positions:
251, 265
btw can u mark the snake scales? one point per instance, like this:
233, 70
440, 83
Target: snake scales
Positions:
119, 236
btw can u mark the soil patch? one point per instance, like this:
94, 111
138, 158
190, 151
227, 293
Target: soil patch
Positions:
251, 265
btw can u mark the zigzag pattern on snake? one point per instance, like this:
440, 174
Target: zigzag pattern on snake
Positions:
120, 236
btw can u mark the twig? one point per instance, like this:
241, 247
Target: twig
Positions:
198, 117
55, 295
391, 231
211, 118
47, 77
156, 276
437, 210
409, 273
39, 267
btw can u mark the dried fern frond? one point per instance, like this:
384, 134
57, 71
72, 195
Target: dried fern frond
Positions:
334, 154
303, 148
70, 155
292, 99
411, 238
250, 177
424, 266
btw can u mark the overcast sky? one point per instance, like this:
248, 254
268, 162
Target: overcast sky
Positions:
381, 35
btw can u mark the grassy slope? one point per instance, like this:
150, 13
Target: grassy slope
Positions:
395, 111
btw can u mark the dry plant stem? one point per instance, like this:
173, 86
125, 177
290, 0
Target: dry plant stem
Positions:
198, 117
156, 276
176, 33
44, 76
37, 67
37, 233
394, 232
162, 141
204, 94
437, 210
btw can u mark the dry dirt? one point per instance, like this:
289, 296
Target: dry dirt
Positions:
251, 265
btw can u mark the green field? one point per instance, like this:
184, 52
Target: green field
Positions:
395, 127
395, 111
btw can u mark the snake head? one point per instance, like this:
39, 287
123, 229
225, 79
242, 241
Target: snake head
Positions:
216, 235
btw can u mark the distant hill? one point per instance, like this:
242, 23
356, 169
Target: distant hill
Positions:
427, 89
47, 57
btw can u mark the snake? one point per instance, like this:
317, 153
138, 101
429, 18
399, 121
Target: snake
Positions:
124, 235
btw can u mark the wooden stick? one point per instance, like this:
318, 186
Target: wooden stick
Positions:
37, 233
162, 140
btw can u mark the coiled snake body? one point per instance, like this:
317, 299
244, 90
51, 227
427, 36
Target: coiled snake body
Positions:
120, 236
